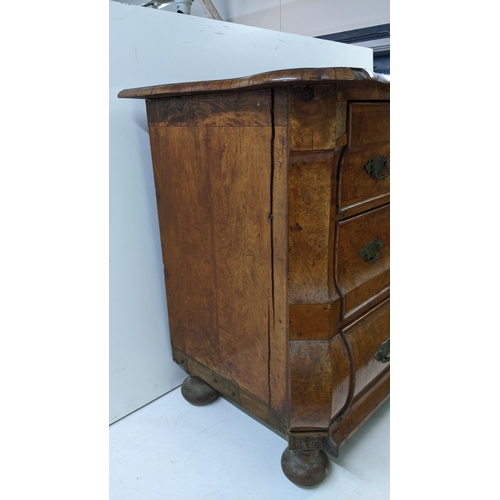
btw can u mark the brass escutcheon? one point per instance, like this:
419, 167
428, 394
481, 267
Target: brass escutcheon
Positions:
383, 353
377, 166
371, 251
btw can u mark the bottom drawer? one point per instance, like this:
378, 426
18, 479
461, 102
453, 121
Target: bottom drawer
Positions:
368, 340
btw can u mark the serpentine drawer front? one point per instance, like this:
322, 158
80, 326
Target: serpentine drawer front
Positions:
273, 205
362, 265
364, 179
365, 337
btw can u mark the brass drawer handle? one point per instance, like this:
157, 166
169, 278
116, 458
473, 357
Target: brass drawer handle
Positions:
371, 251
376, 168
383, 353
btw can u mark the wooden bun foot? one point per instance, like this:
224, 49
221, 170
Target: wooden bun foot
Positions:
305, 468
196, 392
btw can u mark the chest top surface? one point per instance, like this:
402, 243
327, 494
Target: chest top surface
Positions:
269, 79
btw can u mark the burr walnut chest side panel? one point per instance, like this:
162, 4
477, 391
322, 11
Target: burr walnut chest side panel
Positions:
212, 174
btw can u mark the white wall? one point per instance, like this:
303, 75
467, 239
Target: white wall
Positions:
149, 47
307, 17
300, 17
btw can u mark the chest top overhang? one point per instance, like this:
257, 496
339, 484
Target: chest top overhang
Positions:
269, 79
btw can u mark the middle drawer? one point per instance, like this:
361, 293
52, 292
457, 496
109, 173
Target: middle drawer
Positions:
364, 181
362, 260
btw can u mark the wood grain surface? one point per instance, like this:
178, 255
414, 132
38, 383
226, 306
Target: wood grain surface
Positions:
279, 380
213, 197
362, 91
313, 321
311, 185
359, 281
369, 123
311, 385
361, 409
318, 119
320, 382
270, 79
358, 191
231, 391
364, 337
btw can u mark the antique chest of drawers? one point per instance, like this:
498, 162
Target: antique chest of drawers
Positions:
273, 204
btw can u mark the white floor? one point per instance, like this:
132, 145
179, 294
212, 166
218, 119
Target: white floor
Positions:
172, 450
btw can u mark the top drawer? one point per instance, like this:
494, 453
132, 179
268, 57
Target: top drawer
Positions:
369, 123
364, 181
